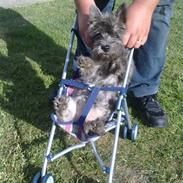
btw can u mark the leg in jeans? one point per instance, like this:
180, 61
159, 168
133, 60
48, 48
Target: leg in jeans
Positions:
150, 58
149, 62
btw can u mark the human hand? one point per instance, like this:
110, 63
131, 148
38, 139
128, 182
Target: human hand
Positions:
83, 7
138, 22
83, 28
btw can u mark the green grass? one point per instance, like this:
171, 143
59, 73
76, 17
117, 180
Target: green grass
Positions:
33, 43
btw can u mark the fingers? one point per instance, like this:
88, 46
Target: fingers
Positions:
143, 41
138, 44
125, 38
133, 41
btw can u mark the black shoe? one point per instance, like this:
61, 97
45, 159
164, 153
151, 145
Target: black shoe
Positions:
152, 113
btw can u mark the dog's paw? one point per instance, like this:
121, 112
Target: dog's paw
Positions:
60, 103
87, 127
99, 128
62, 107
84, 63
96, 127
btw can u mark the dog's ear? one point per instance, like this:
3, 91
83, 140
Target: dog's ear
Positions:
94, 13
121, 13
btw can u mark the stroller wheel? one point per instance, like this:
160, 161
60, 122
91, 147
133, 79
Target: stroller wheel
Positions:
37, 178
134, 131
124, 131
48, 178
106, 169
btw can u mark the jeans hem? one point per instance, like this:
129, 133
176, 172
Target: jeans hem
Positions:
144, 91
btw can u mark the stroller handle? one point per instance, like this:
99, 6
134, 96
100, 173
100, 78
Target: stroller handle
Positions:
130, 59
67, 59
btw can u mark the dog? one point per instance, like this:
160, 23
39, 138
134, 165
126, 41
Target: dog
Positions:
106, 67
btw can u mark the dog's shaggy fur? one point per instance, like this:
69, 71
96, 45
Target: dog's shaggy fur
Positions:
105, 67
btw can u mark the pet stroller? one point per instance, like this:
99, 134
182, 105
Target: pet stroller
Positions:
119, 118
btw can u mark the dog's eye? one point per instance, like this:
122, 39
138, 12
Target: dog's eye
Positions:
117, 36
97, 36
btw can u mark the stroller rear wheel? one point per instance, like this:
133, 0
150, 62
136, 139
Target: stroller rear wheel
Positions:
48, 178
130, 134
134, 131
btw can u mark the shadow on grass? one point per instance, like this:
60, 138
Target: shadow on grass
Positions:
62, 137
135, 109
31, 56
85, 179
30, 53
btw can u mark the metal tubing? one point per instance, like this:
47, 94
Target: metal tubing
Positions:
67, 59
99, 159
130, 59
121, 97
59, 93
115, 146
64, 74
52, 133
127, 114
77, 146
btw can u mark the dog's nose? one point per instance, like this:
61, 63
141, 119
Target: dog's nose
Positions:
105, 48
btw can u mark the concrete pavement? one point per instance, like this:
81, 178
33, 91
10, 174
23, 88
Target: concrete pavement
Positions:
15, 3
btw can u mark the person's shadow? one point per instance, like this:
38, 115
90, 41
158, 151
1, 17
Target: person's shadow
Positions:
30, 67
32, 56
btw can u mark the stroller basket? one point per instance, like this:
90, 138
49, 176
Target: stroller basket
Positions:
119, 117
77, 126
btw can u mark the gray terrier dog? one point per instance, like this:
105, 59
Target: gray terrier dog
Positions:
106, 67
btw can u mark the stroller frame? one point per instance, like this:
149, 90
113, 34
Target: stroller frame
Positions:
128, 131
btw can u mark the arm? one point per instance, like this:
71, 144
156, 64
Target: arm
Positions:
138, 22
83, 7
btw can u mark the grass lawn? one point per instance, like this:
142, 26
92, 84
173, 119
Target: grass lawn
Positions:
33, 43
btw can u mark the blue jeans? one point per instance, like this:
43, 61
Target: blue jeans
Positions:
150, 58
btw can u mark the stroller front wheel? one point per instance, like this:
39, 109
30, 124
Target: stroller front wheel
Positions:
37, 178
48, 178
